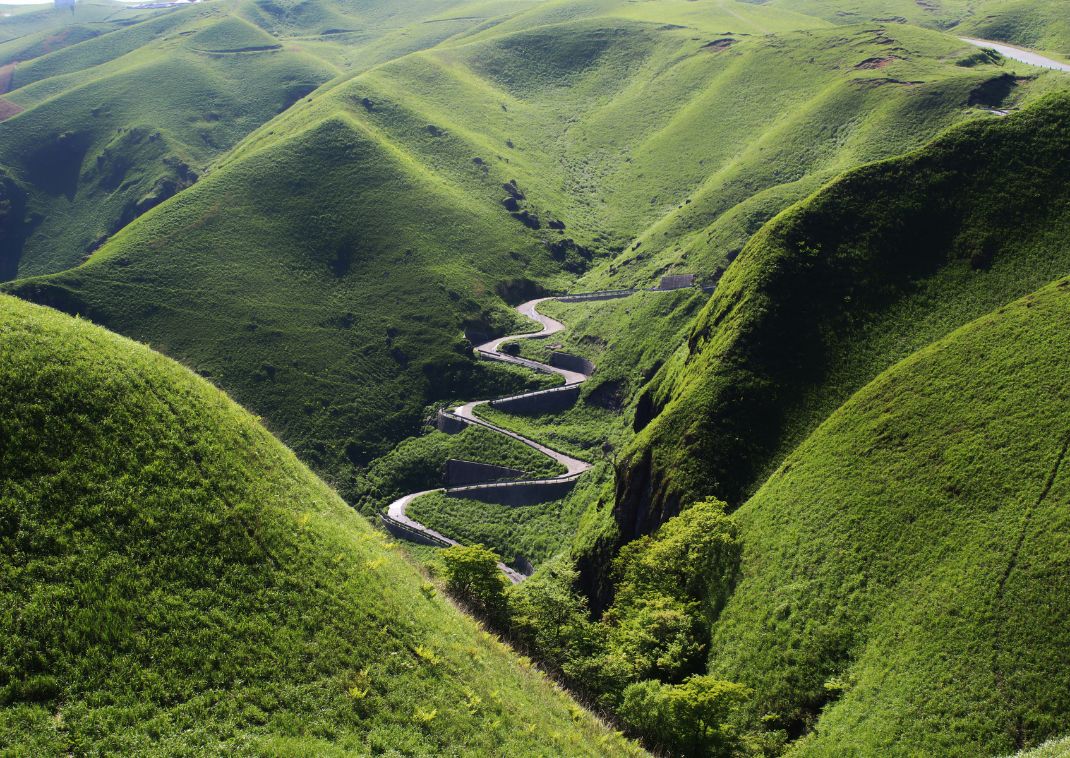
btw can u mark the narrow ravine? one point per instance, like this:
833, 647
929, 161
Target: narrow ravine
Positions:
395, 517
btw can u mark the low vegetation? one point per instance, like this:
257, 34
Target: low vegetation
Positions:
902, 570
175, 581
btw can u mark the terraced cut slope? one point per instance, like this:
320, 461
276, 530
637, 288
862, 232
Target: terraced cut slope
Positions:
175, 581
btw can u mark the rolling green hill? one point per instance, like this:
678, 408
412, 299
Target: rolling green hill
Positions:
390, 188
1039, 24
868, 270
175, 581
108, 117
903, 570
321, 205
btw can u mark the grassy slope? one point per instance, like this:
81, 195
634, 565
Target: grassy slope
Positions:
908, 560
1040, 24
90, 154
794, 112
872, 268
175, 581
643, 133
323, 279
78, 151
272, 272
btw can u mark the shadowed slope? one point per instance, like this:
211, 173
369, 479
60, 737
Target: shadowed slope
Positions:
870, 269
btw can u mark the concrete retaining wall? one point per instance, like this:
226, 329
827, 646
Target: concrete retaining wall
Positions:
403, 532
522, 493
448, 424
460, 472
571, 362
585, 297
545, 401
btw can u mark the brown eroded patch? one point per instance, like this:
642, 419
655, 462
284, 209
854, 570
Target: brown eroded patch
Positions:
873, 63
7, 73
9, 109
719, 44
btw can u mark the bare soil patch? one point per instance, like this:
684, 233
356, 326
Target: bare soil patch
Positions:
9, 109
719, 44
874, 63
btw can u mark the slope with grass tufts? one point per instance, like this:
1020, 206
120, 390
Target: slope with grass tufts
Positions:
904, 570
176, 581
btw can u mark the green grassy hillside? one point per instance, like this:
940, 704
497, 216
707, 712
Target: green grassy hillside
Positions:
115, 117
175, 581
903, 570
647, 137
1040, 24
324, 281
388, 188
870, 269
108, 130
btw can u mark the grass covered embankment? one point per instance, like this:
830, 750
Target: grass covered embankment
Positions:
176, 581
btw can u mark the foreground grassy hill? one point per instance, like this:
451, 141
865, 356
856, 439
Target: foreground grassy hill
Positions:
903, 570
870, 269
175, 581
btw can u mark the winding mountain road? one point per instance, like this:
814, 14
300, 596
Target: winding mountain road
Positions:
574, 467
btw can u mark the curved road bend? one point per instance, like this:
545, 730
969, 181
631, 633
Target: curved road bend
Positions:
1019, 54
492, 351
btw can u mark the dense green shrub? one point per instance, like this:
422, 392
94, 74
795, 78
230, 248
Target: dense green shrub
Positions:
688, 719
472, 576
645, 657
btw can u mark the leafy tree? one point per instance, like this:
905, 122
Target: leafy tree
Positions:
691, 559
659, 636
472, 576
548, 614
688, 719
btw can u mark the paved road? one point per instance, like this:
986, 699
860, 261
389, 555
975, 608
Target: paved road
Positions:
396, 511
1019, 54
